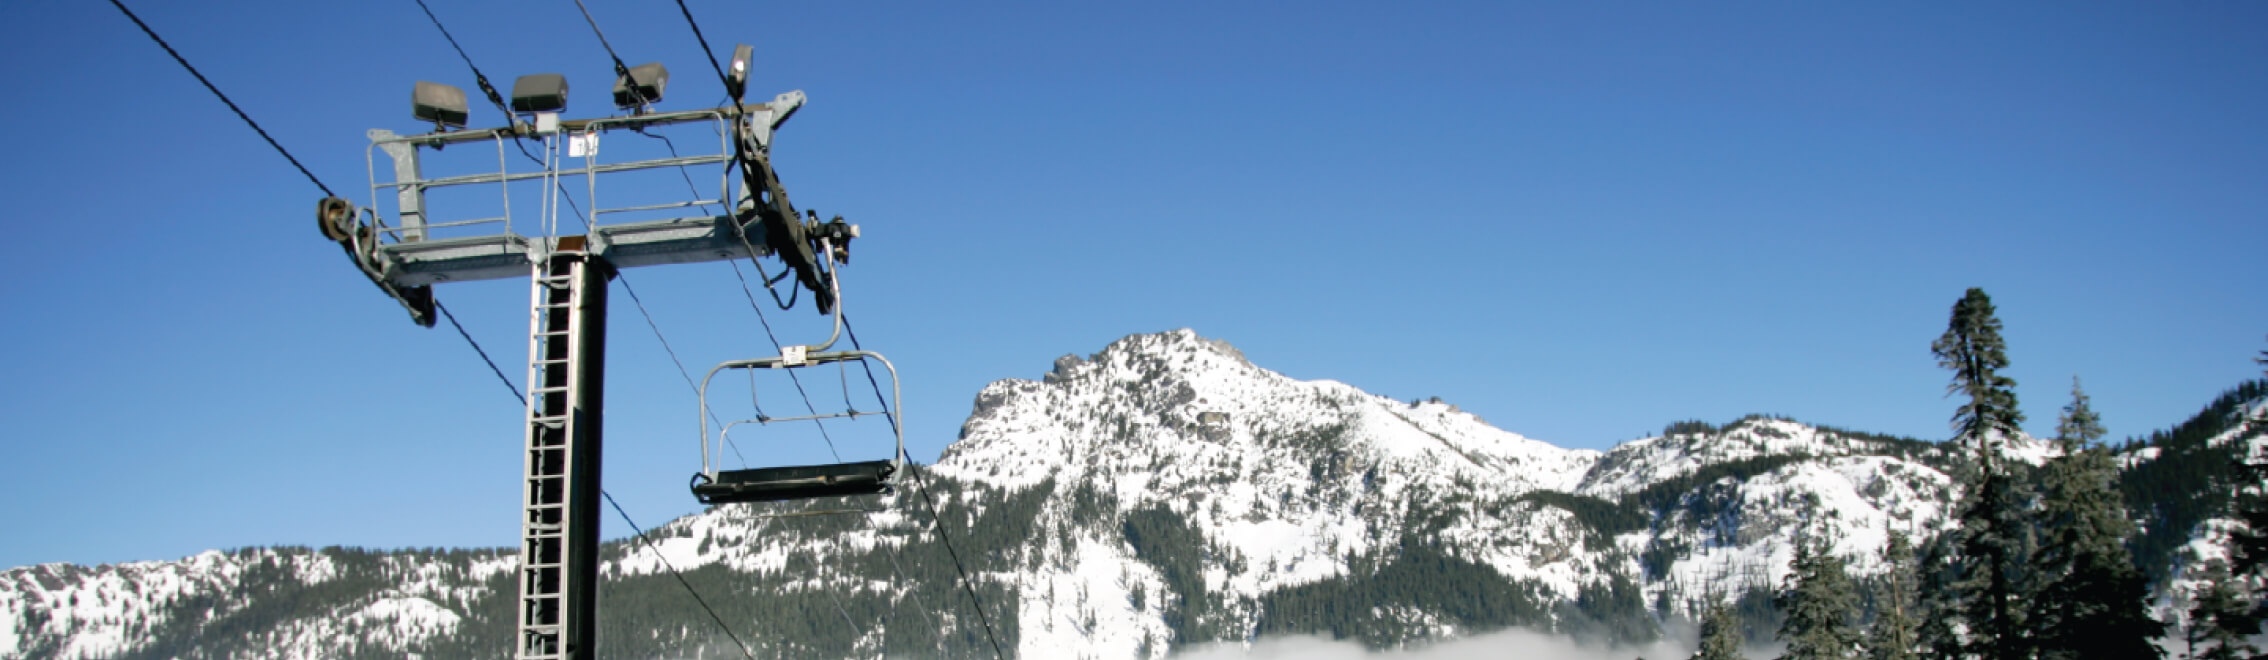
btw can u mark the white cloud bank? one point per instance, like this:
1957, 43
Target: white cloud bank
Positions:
1513, 643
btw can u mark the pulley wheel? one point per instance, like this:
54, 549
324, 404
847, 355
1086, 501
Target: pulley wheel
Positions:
335, 217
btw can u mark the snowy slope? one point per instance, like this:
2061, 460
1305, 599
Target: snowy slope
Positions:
67, 611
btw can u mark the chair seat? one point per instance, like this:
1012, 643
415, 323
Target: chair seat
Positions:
774, 484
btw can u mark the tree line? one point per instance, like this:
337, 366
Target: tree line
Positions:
2041, 566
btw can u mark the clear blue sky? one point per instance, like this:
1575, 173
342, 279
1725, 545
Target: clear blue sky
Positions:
1579, 220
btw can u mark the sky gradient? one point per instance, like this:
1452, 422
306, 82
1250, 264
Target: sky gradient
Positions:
1580, 221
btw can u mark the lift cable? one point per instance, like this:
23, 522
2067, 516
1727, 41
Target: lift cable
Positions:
900, 573
704, 41
722, 79
689, 590
680, 576
619, 69
673, 572
807, 406
498, 100
681, 372
624, 72
695, 25
478, 77
515, 390
966, 585
483, 353
485, 88
444, 309
681, 171
223, 97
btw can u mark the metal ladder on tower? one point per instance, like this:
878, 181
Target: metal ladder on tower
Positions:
560, 490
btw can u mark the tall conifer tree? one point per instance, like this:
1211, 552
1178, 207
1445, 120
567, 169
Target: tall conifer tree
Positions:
2220, 623
1720, 634
2093, 602
2249, 545
1820, 601
1897, 618
1990, 541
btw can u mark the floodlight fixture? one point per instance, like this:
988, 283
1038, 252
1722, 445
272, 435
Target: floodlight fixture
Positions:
539, 92
641, 86
444, 105
736, 77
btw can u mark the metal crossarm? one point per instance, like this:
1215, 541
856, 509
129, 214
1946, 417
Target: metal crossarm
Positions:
410, 251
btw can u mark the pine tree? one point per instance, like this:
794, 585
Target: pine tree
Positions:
2093, 602
1897, 624
1720, 634
1973, 349
2249, 545
2220, 622
1990, 539
1819, 601
1941, 603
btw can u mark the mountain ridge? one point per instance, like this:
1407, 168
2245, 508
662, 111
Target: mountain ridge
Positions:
1158, 494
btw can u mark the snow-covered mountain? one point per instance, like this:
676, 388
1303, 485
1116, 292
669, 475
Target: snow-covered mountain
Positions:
1161, 493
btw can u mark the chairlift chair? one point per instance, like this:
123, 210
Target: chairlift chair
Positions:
796, 482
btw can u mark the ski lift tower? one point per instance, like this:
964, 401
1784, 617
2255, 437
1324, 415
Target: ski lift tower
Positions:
419, 247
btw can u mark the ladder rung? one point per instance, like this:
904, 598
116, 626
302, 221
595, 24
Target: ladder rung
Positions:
548, 390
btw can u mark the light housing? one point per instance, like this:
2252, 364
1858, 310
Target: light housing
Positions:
736, 75
444, 105
649, 79
539, 92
